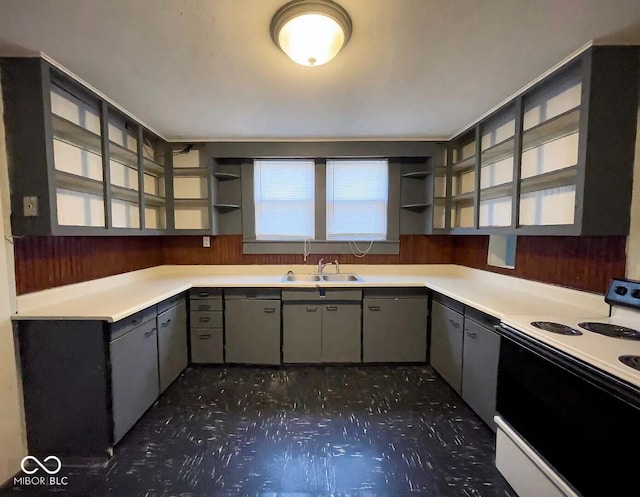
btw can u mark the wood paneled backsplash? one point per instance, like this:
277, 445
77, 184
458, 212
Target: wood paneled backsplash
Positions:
46, 262
584, 263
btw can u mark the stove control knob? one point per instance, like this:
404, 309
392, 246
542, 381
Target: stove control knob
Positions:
621, 290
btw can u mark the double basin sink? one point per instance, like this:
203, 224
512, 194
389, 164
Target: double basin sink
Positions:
345, 277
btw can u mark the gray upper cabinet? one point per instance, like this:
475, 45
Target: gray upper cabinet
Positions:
394, 326
134, 375
416, 196
480, 370
77, 164
172, 343
541, 164
252, 326
447, 334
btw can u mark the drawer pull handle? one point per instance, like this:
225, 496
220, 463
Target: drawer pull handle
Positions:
332, 308
312, 308
135, 321
454, 323
374, 308
203, 294
269, 310
150, 332
166, 323
204, 307
205, 337
205, 320
472, 335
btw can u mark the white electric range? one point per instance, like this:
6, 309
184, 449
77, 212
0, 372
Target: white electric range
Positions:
569, 400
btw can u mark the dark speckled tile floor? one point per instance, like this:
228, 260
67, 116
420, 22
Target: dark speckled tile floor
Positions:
299, 432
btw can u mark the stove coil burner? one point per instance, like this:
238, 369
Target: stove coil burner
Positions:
631, 361
612, 330
560, 329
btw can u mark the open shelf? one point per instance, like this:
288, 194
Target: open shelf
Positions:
126, 194
497, 191
463, 197
190, 171
557, 127
226, 207
123, 155
68, 181
417, 174
191, 202
497, 152
154, 200
553, 179
415, 207
75, 135
225, 176
464, 164
153, 166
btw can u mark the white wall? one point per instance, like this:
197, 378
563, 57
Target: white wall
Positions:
633, 244
12, 438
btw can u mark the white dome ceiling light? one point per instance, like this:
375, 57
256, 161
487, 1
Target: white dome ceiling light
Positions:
311, 32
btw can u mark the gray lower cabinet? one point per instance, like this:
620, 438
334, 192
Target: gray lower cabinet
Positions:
480, 370
206, 326
302, 333
341, 332
173, 354
134, 375
447, 330
252, 327
394, 327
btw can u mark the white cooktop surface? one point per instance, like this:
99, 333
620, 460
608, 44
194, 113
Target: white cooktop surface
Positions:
599, 350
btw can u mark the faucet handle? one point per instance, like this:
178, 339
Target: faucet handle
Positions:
337, 266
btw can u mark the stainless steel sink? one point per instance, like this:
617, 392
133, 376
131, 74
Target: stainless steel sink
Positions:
300, 277
340, 277
291, 278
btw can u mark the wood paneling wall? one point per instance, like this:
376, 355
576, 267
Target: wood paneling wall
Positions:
47, 262
414, 249
583, 263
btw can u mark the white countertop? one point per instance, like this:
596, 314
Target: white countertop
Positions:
114, 298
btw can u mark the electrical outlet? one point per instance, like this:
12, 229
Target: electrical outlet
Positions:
206, 241
30, 206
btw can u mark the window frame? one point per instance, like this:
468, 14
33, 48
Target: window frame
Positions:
391, 245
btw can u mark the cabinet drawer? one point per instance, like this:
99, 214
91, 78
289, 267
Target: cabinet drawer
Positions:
201, 319
321, 294
207, 346
205, 293
206, 305
252, 293
127, 324
170, 302
395, 293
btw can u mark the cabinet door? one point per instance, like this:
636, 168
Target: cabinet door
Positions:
302, 333
134, 376
446, 344
376, 321
252, 329
341, 333
407, 338
480, 370
172, 344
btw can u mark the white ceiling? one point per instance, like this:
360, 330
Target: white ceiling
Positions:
207, 69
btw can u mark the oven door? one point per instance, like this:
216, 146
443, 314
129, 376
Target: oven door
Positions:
583, 422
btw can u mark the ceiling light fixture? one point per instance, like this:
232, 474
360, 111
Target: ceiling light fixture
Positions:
311, 32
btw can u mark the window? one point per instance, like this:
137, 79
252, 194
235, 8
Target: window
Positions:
357, 196
284, 197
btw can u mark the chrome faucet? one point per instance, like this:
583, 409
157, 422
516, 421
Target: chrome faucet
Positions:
321, 266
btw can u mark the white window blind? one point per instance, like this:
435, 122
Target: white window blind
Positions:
284, 199
357, 195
